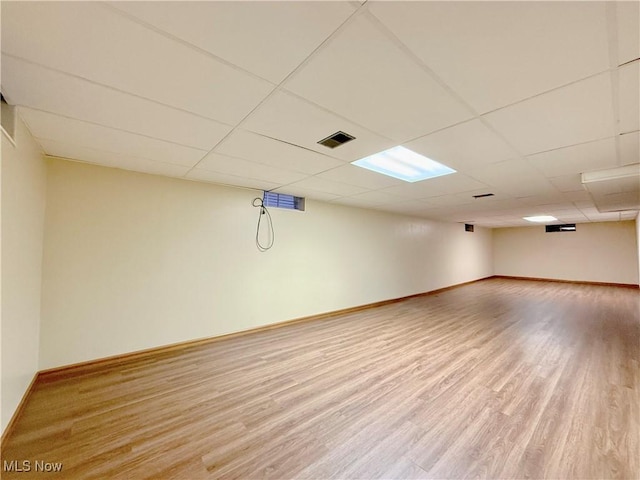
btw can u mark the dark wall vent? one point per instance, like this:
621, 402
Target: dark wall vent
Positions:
567, 227
337, 139
468, 227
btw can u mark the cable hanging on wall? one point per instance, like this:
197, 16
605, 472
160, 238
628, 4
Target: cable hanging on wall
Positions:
258, 202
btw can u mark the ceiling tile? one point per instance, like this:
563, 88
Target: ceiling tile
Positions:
412, 207
376, 198
496, 53
260, 149
286, 117
578, 113
328, 186
362, 75
629, 148
43, 89
450, 200
630, 215
629, 96
109, 159
577, 158
578, 196
93, 42
221, 28
75, 132
306, 193
604, 217
513, 176
433, 187
628, 20
244, 168
231, 180
359, 176
463, 146
568, 183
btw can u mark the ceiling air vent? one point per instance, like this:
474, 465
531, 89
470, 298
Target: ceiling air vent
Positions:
337, 139
482, 195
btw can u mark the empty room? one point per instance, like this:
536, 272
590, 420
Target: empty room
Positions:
320, 240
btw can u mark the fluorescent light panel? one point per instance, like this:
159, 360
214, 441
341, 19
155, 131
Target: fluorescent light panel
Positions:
404, 164
541, 218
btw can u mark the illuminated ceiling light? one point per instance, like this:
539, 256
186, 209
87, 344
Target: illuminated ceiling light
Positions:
404, 164
541, 218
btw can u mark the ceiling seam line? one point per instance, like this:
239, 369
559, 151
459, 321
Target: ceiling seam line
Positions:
277, 87
181, 41
115, 89
111, 128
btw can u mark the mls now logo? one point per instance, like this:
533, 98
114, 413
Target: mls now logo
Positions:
28, 466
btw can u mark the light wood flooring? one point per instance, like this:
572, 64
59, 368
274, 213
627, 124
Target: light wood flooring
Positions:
496, 379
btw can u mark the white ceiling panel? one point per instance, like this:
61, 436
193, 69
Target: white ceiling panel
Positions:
233, 180
496, 53
260, 149
221, 29
408, 207
568, 183
629, 96
450, 200
75, 132
328, 186
286, 117
628, 20
464, 146
574, 114
43, 89
110, 159
629, 148
376, 198
577, 158
306, 193
359, 176
245, 168
513, 176
433, 187
239, 93
362, 75
630, 215
93, 42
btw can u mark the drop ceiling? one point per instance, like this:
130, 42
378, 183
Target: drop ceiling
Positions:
520, 98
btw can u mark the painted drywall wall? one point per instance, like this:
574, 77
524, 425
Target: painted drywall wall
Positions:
595, 252
134, 261
638, 240
23, 212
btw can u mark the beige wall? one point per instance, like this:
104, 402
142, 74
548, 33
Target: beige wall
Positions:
133, 261
596, 252
638, 240
23, 210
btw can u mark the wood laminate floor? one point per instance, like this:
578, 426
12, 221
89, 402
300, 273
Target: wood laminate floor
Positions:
497, 379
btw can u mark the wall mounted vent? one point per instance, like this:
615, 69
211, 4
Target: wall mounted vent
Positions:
282, 200
567, 227
337, 139
468, 227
